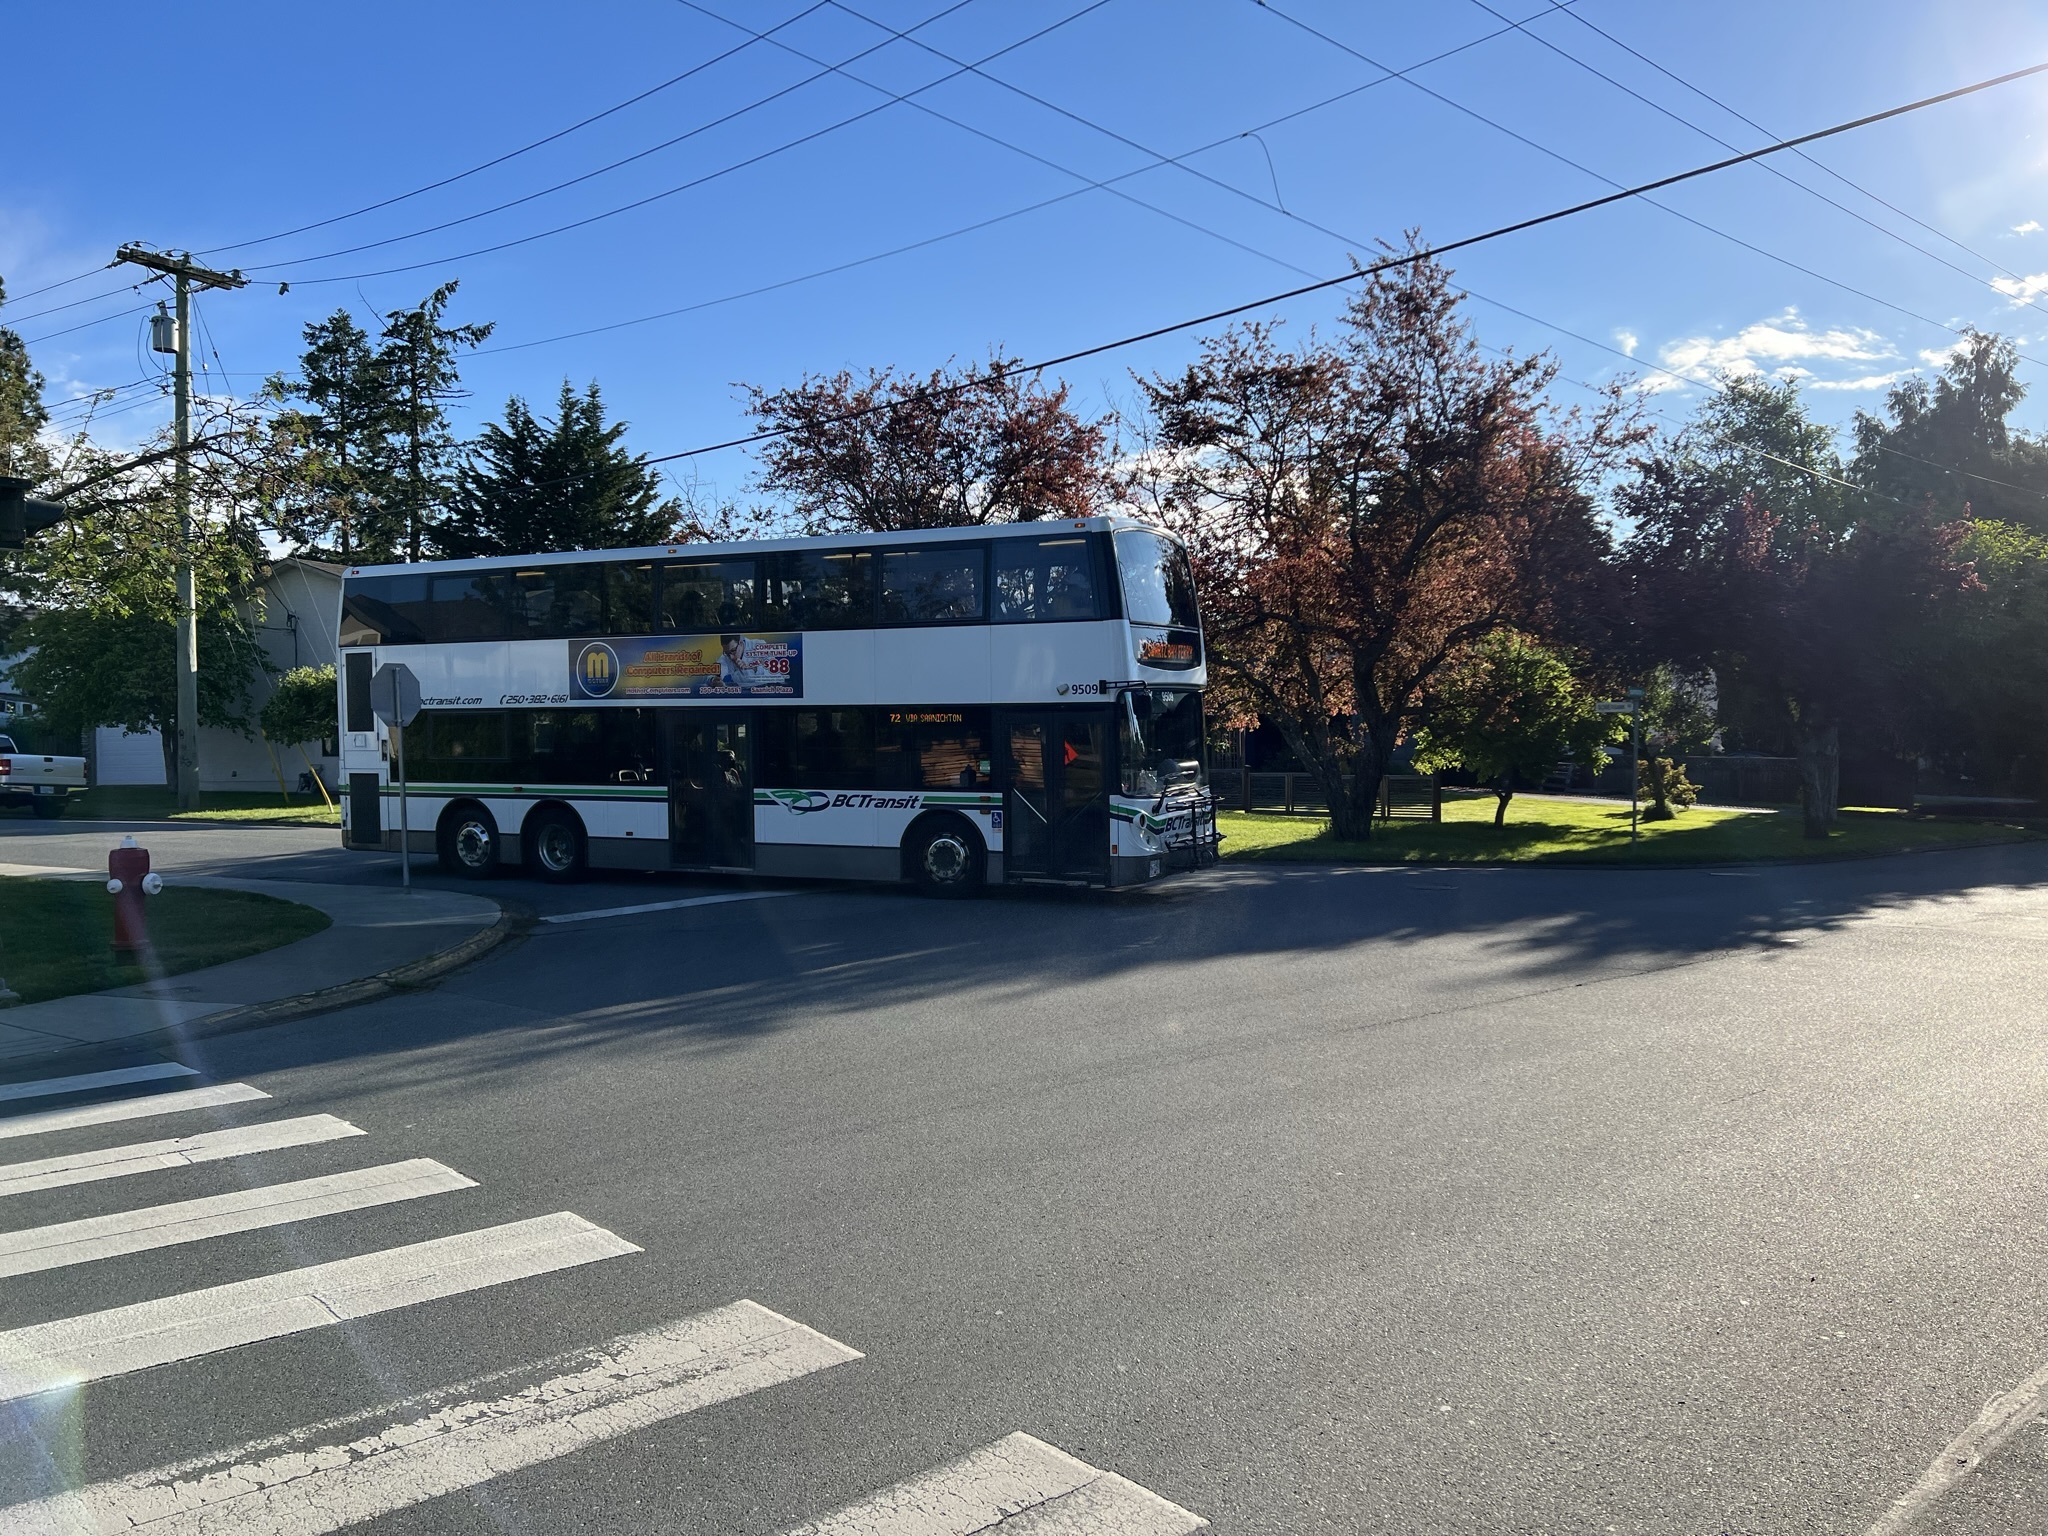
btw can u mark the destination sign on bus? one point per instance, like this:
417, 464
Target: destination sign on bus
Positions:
727, 666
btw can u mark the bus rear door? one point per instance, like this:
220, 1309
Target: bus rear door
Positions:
710, 789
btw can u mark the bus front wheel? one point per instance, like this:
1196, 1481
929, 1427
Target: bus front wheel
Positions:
467, 841
554, 844
946, 857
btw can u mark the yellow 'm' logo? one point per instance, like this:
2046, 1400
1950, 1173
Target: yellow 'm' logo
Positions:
597, 664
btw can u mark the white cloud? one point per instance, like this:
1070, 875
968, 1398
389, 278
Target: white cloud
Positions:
1628, 341
2031, 227
1781, 346
1868, 381
2022, 290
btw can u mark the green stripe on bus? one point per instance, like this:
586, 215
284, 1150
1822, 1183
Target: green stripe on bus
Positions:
536, 791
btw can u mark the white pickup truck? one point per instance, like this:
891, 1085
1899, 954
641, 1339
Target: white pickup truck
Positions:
41, 783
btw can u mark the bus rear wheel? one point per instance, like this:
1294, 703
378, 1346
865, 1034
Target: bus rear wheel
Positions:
555, 844
946, 857
467, 841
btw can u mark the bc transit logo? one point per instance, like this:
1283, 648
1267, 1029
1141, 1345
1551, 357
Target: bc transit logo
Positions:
801, 801
597, 669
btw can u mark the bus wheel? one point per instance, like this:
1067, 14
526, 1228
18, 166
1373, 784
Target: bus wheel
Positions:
467, 841
946, 857
554, 844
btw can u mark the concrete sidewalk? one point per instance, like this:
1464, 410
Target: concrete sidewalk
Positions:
375, 930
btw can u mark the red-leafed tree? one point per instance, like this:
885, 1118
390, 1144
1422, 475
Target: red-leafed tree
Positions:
964, 446
1363, 509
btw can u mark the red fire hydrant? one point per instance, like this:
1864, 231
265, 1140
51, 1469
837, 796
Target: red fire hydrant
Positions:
128, 877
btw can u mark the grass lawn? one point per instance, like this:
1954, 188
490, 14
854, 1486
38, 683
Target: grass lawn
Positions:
1596, 832
134, 802
54, 934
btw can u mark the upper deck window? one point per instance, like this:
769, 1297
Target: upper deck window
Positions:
819, 589
940, 585
1045, 580
698, 597
1158, 582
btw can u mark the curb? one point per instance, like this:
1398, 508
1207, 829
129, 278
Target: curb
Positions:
514, 921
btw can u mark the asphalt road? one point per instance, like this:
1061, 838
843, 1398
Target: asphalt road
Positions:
1313, 1201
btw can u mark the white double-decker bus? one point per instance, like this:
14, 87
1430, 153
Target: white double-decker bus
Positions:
952, 707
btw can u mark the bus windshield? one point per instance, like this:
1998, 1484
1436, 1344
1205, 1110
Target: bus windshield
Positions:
1162, 740
1159, 586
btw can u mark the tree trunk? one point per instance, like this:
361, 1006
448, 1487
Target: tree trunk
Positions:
1503, 792
1351, 810
1820, 776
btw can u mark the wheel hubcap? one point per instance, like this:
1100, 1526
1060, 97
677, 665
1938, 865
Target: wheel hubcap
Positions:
473, 844
557, 848
945, 860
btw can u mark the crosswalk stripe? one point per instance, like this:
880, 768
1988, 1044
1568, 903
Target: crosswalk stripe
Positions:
177, 1152
1028, 1487
128, 1109
46, 1087
242, 1210
71, 1350
440, 1443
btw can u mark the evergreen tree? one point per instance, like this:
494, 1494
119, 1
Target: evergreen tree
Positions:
418, 360
1949, 441
336, 496
22, 417
533, 485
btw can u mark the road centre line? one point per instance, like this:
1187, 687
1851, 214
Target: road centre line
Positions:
143, 1108
177, 1152
46, 1087
34, 1249
439, 1443
665, 906
1019, 1483
47, 1357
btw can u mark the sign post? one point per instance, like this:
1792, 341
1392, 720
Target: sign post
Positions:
395, 696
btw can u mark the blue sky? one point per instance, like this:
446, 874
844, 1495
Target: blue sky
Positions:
209, 127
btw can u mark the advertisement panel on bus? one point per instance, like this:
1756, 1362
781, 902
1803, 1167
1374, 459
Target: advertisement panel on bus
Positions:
728, 666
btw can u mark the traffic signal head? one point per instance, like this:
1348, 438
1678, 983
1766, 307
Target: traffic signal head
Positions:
21, 514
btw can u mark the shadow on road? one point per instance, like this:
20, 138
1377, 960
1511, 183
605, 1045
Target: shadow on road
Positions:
713, 977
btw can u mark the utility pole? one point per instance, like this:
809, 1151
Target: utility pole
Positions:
185, 273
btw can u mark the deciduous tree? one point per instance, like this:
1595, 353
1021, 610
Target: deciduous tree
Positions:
1509, 711
1362, 510
888, 452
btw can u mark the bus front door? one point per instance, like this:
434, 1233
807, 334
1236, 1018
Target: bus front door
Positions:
1056, 798
710, 789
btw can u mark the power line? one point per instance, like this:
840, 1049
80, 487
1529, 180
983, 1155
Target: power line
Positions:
1000, 218
1422, 254
1818, 165
37, 314
1791, 181
1563, 159
119, 314
513, 154
1091, 183
433, 186
670, 143
709, 176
